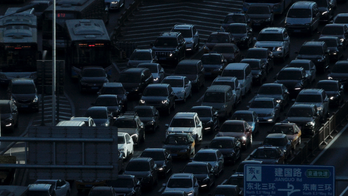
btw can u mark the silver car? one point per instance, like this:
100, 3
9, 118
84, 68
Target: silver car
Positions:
181, 86
182, 182
276, 39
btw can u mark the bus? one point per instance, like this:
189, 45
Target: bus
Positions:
18, 47
279, 6
89, 44
69, 9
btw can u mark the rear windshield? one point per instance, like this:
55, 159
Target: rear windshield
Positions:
239, 74
214, 97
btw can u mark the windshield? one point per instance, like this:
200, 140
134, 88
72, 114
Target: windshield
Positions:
195, 169
23, 89
182, 123
230, 83
261, 104
258, 10
137, 166
234, 19
120, 140
93, 73
144, 112
96, 114
166, 42
176, 140
123, 123
240, 116
221, 144
205, 157
275, 141
305, 66
227, 127
202, 112
332, 30
174, 82
341, 19
187, 33
157, 156
161, 92
219, 38
112, 90
184, 69
223, 49
322, 3
289, 75
299, 13
179, 183
239, 74
308, 98
265, 154
300, 112
330, 42
328, 86
238, 29
106, 101
270, 37
270, 90
257, 54
283, 129
214, 97
340, 68
140, 56
152, 68
211, 59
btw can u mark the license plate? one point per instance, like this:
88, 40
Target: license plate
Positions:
94, 87
297, 31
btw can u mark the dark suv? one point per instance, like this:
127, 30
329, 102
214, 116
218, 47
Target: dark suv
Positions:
135, 80
316, 51
293, 78
193, 69
169, 47
24, 94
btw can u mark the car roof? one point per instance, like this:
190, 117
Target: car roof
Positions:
224, 44
292, 69
313, 43
112, 84
188, 62
144, 107
98, 108
234, 121
222, 33
212, 54
122, 133
181, 175
170, 34
334, 25
71, 123
175, 77
267, 147
141, 159
236, 66
185, 115
224, 138
311, 91
258, 49
342, 14
133, 70
39, 187
207, 150
107, 96
22, 81
271, 85
264, 99
198, 163
276, 135
246, 60
300, 61
218, 88
148, 64
225, 78
183, 26
302, 4
199, 107
287, 124
237, 24
272, 30
154, 149
149, 50
327, 81
160, 85
307, 105
244, 112
328, 37
125, 176
92, 67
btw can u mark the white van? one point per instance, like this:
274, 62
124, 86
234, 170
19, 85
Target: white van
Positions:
242, 72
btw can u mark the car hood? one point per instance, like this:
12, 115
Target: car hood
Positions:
137, 174
211, 65
267, 44
109, 1
259, 16
262, 110
181, 129
205, 119
299, 119
216, 106
160, 163
331, 93
93, 79
201, 177
239, 35
231, 134
24, 97
134, 63
305, 56
300, 21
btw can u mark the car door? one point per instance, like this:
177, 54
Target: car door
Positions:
198, 128
187, 86
286, 40
195, 37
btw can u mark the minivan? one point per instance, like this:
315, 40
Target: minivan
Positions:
302, 17
242, 72
221, 98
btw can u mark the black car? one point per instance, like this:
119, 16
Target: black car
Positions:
268, 155
264, 54
181, 145
336, 30
170, 47
203, 171
326, 10
242, 34
24, 94
213, 64
145, 169
111, 102
307, 65
280, 140
260, 15
162, 158
92, 78
236, 17
230, 147
149, 116
275, 90
160, 96
293, 78
340, 72
135, 80
115, 88
212, 156
156, 69
126, 184
318, 52
208, 116
333, 90
193, 69
9, 115
100, 115
250, 117
215, 38
230, 51
258, 69
335, 46
306, 118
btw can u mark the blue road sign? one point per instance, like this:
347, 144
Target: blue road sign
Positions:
288, 180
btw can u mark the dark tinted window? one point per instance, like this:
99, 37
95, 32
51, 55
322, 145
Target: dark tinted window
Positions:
270, 90
283, 129
308, 98
23, 89
270, 37
125, 123
106, 101
214, 97
218, 38
332, 30
144, 112
129, 78
241, 116
275, 141
211, 59
96, 114
255, 65
289, 75
196, 169
174, 82
137, 166
152, 68
257, 54
223, 49
219, 82
186, 69
112, 90
166, 42
120, 140
221, 144
179, 183
340, 68
299, 13
176, 139
156, 155
126, 183
266, 154
330, 42
205, 157
184, 32
202, 112
238, 29
261, 104
155, 92
341, 19
300, 112
305, 66
227, 127
182, 123
239, 74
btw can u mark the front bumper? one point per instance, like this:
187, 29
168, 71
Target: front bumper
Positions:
27, 106
298, 28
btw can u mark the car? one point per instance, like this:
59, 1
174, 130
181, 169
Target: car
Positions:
212, 156
339, 72
174, 193
100, 114
89, 122
318, 52
232, 82
230, 147
135, 80
215, 38
306, 118
336, 30
130, 123
102, 190
268, 155
141, 56
239, 129
326, 9
230, 51
258, 69
149, 115
317, 97
194, 71
115, 88
111, 102
264, 54
335, 47
232, 190
333, 90
213, 64
341, 18
145, 169
203, 171
275, 90
160, 96
235, 180
187, 122
170, 47
276, 39
236, 17
61, 187
250, 117
181, 85
209, 117
126, 184
162, 158
115, 4
125, 144
92, 78
307, 65
292, 132
180, 145
23, 92
260, 15
293, 78
242, 34
266, 108
190, 34
156, 69
182, 182
279, 140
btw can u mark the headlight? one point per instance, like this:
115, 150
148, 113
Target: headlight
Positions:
334, 53
279, 48
319, 108
297, 88
161, 169
171, 54
155, 79
324, 13
310, 124
36, 99
165, 101
278, 100
341, 40
142, 101
114, 2
332, 98
243, 138
190, 193
330, 78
